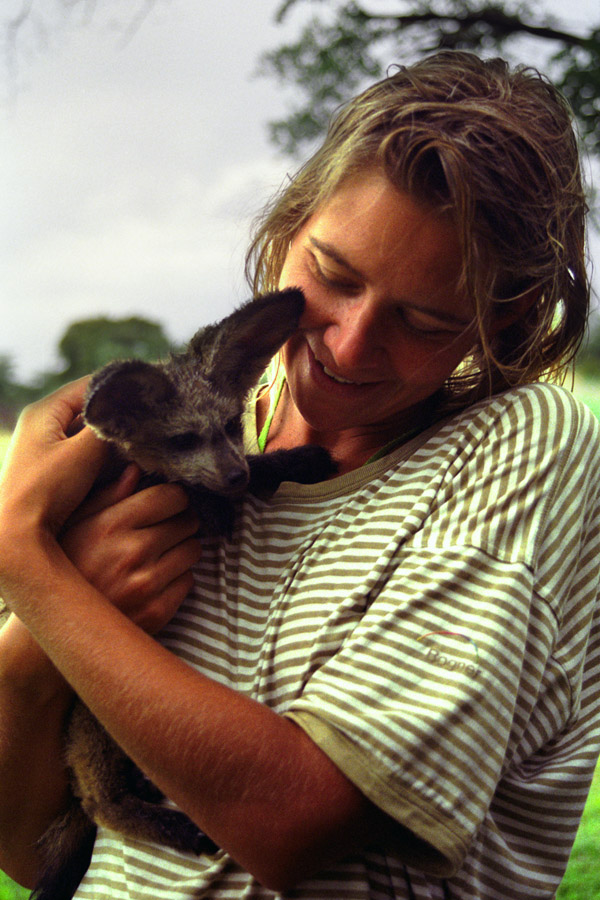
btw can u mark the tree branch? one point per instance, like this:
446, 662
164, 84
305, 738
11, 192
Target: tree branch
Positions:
502, 22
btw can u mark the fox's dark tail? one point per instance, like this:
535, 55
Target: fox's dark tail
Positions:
66, 850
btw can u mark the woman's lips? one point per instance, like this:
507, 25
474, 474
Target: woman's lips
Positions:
331, 380
337, 378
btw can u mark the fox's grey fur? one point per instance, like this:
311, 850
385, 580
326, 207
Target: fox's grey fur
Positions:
181, 421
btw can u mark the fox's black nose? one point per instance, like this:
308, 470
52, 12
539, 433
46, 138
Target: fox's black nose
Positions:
237, 479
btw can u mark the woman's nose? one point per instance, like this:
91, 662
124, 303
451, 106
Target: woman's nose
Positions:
353, 337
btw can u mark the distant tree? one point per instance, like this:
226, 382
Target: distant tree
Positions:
8, 387
348, 44
7, 383
90, 343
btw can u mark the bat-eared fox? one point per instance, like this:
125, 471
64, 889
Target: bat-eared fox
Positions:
181, 421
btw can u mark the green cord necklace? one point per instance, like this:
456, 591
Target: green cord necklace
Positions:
274, 402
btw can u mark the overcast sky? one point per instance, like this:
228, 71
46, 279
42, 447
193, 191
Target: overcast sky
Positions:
130, 172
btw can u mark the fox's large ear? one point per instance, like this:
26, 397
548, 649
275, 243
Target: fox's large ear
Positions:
123, 394
235, 352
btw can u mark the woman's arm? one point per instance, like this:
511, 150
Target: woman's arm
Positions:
34, 699
250, 778
138, 549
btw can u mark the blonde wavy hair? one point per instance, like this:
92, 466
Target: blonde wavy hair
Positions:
495, 149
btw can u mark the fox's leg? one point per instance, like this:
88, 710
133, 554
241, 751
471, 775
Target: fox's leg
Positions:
114, 793
306, 465
141, 820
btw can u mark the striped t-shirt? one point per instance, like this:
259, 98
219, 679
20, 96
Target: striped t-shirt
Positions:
432, 621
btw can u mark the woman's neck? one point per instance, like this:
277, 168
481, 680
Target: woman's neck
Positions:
351, 448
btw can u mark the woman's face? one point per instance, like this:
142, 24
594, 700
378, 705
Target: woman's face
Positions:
384, 324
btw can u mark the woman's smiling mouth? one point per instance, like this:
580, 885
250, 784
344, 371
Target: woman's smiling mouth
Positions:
324, 375
337, 378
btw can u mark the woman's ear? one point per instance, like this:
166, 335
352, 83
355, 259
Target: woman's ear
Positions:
506, 314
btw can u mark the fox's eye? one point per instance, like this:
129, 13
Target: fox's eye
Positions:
187, 440
233, 427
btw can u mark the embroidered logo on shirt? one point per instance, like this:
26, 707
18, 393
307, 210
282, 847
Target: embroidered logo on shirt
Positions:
452, 650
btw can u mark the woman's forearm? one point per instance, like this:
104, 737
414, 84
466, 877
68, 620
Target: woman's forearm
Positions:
226, 760
34, 699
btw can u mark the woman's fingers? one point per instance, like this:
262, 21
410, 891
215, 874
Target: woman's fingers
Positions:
137, 551
46, 474
109, 495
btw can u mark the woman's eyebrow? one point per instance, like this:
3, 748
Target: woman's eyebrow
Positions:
441, 314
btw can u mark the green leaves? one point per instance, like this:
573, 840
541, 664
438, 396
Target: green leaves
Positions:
345, 46
89, 344
581, 86
328, 62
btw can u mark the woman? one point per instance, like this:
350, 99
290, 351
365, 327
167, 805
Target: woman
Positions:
383, 686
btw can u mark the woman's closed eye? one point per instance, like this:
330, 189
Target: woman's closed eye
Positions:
331, 277
421, 322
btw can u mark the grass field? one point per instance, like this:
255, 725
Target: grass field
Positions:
582, 879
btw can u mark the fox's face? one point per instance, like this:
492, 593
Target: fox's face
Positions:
205, 449
182, 419
197, 442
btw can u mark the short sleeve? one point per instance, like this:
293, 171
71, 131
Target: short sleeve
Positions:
417, 708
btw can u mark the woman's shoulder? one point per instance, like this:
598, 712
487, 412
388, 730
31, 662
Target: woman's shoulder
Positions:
532, 414
532, 443
543, 397
534, 433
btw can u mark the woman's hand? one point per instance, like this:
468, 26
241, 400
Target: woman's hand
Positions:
136, 549
51, 463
